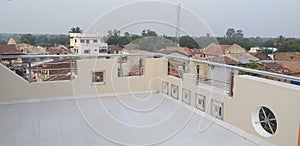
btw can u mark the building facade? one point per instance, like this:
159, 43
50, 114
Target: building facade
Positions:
87, 44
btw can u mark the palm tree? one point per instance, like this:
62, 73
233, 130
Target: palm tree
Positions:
75, 30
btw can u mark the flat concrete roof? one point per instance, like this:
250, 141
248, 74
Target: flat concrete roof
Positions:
143, 119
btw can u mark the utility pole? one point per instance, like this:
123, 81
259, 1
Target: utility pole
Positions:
178, 24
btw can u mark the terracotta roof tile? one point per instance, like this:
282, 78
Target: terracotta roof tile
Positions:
9, 50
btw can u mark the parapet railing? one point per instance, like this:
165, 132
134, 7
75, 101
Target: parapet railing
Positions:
63, 67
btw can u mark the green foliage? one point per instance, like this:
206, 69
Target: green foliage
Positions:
230, 33
28, 39
187, 41
75, 30
135, 37
251, 65
148, 32
266, 51
153, 43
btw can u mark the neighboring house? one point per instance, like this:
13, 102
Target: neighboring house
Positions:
26, 48
12, 63
287, 56
10, 49
198, 53
234, 52
260, 56
282, 67
258, 49
29, 49
87, 44
177, 66
113, 49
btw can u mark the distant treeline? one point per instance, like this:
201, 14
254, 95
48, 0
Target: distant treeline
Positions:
114, 37
44, 40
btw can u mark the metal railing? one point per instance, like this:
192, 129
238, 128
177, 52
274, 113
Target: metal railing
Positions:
33, 66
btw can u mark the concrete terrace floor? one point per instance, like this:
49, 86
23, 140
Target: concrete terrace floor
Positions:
143, 119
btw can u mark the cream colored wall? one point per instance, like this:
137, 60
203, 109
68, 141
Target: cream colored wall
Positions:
114, 84
282, 98
249, 93
13, 87
189, 82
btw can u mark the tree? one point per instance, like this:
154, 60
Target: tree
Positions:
266, 51
239, 34
113, 37
28, 39
187, 41
75, 30
135, 37
230, 33
123, 41
148, 32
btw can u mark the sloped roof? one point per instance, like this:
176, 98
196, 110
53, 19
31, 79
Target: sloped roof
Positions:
9, 50
214, 49
30, 49
183, 50
61, 49
11, 41
244, 58
292, 66
223, 60
283, 67
260, 56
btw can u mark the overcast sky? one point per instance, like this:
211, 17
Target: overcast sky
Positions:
266, 18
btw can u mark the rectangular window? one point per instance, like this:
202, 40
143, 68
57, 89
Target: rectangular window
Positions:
186, 96
87, 41
95, 41
217, 109
200, 101
98, 77
82, 41
165, 87
86, 51
174, 91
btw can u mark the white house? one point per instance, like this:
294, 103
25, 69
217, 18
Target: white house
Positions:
256, 49
87, 43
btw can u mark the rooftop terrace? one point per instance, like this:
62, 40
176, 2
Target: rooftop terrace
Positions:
168, 100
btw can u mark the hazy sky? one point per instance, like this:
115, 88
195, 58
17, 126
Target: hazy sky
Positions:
266, 18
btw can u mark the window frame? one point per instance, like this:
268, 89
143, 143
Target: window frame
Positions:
201, 97
103, 78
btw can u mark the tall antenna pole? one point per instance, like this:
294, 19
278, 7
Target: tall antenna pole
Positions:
178, 24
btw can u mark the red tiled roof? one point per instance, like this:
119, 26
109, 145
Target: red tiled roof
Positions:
260, 56
292, 66
10, 49
283, 67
